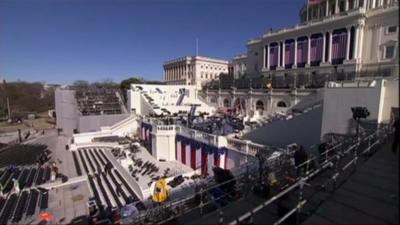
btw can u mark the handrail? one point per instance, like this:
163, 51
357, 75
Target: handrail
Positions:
301, 181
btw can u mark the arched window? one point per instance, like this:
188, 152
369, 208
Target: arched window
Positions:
281, 104
259, 105
226, 102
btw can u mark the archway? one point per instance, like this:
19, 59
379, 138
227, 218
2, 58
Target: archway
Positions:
226, 103
260, 107
281, 104
239, 105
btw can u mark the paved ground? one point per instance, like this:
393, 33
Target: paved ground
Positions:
370, 196
67, 201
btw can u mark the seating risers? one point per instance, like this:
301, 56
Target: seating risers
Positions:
44, 200
76, 163
10, 183
33, 200
31, 177
39, 177
8, 209
19, 210
104, 185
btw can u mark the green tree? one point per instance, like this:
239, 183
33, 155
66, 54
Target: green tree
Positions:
155, 82
126, 84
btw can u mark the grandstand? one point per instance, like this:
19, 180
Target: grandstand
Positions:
166, 100
98, 101
108, 187
87, 109
31, 200
33, 153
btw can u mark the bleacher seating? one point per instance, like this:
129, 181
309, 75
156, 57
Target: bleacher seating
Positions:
14, 207
8, 208
97, 101
167, 100
33, 200
20, 206
33, 153
115, 138
108, 186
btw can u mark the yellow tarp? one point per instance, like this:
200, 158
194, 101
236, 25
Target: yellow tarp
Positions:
160, 191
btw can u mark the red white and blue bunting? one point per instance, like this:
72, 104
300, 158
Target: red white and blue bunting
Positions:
199, 156
145, 132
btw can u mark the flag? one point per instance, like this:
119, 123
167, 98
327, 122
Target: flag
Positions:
269, 85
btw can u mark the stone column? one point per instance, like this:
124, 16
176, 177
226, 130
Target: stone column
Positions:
279, 54
264, 57
360, 39
327, 8
295, 53
186, 73
309, 50
356, 42
323, 47
373, 4
336, 6
268, 59
179, 72
175, 72
283, 54
346, 5
330, 47
348, 43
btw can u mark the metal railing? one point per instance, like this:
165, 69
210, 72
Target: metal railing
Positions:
329, 162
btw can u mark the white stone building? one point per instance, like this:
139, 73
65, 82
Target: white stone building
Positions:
238, 66
351, 37
193, 70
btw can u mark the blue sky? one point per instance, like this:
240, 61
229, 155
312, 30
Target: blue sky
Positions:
59, 41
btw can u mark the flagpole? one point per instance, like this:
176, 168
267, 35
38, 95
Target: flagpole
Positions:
197, 46
307, 11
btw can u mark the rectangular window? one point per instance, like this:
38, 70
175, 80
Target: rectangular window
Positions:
341, 6
351, 4
391, 29
389, 52
332, 8
314, 12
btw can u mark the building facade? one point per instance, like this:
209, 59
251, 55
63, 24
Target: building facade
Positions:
193, 70
237, 66
335, 37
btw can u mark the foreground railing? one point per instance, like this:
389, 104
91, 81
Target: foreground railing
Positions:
348, 148
345, 152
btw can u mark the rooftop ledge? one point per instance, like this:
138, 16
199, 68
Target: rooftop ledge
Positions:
318, 21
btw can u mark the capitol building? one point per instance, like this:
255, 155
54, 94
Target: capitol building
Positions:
341, 39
